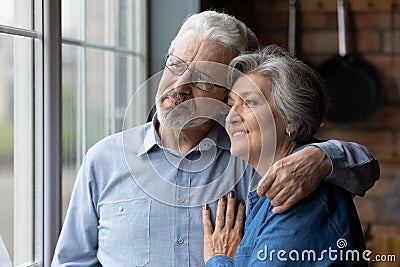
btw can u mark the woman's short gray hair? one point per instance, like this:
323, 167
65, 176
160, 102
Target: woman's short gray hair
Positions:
219, 27
298, 91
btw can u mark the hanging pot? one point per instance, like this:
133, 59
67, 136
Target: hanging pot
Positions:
353, 83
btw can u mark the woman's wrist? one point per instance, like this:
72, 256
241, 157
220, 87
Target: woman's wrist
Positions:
219, 260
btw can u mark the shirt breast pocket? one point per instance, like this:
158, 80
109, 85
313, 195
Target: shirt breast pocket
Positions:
124, 233
243, 254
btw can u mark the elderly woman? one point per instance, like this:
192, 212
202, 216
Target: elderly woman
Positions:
280, 100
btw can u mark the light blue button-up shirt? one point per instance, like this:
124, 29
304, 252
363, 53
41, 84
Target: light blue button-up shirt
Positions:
136, 203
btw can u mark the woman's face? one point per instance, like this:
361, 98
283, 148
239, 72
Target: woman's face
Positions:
253, 123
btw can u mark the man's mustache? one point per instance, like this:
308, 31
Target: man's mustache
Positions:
176, 96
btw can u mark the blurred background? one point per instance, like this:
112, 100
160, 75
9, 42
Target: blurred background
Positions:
109, 47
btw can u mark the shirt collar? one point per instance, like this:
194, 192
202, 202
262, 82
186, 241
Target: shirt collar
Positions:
151, 137
217, 136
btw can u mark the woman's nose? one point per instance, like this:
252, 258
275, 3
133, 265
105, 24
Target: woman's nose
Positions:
232, 116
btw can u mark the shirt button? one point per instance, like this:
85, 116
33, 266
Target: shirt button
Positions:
120, 208
181, 199
205, 145
180, 240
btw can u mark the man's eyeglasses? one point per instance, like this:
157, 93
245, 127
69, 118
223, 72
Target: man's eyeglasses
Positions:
199, 79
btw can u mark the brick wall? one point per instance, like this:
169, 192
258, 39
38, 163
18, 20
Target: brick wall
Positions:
375, 34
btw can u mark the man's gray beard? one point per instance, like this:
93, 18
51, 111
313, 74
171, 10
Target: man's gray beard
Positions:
178, 120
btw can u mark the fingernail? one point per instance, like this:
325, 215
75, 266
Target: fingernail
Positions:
205, 206
259, 192
242, 202
222, 199
231, 194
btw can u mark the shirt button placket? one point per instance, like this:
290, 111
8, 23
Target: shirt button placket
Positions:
181, 218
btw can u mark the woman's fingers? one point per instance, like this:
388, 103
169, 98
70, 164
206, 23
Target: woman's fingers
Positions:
220, 219
208, 232
228, 227
227, 216
240, 218
207, 224
230, 211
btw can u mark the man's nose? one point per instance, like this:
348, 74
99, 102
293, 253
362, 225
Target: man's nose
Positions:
183, 84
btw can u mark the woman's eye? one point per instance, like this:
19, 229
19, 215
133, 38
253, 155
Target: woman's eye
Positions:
250, 102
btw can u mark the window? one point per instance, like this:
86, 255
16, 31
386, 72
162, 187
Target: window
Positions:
104, 60
103, 64
20, 98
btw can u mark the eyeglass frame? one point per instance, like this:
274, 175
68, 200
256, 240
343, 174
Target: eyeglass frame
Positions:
212, 83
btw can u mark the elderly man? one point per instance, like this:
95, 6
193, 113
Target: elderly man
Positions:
138, 196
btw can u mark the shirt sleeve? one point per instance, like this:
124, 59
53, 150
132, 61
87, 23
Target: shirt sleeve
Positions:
354, 168
77, 244
219, 261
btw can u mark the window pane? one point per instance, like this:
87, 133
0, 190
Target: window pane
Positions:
111, 81
71, 120
71, 17
98, 76
38, 8
96, 24
125, 85
7, 142
7, 12
17, 198
112, 23
20, 86
126, 24
39, 172
23, 150
16, 13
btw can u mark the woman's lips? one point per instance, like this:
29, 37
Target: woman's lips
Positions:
238, 133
